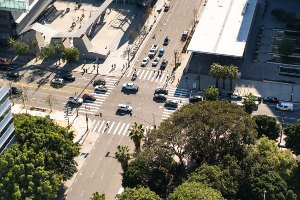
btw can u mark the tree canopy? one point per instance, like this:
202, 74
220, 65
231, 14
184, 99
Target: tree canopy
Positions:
292, 139
97, 196
138, 194
267, 125
211, 93
71, 55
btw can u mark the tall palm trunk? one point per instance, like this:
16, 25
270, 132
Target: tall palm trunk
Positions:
217, 83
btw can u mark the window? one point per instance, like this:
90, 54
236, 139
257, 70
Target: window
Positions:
6, 127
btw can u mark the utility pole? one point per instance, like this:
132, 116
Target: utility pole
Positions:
86, 119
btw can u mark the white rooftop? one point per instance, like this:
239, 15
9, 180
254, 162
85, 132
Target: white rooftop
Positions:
223, 27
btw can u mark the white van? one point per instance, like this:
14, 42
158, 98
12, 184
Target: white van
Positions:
285, 106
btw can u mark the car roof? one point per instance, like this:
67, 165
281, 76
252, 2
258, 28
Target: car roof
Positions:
122, 105
286, 103
130, 83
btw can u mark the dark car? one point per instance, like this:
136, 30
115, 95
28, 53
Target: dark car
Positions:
69, 77
167, 7
163, 64
15, 91
160, 96
99, 82
88, 97
271, 99
166, 41
13, 74
195, 99
171, 103
184, 36
161, 91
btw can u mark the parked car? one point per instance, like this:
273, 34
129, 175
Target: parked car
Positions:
161, 52
101, 88
195, 98
161, 91
238, 103
69, 77
184, 36
57, 81
99, 82
145, 61
166, 7
234, 95
285, 106
163, 64
130, 86
172, 103
77, 100
124, 108
155, 62
160, 96
88, 97
153, 51
166, 41
13, 75
271, 99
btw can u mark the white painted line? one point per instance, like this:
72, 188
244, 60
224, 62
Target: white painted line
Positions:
153, 77
88, 112
117, 128
128, 74
162, 78
89, 107
138, 72
111, 126
145, 75
126, 129
121, 129
140, 77
100, 127
100, 94
149, 75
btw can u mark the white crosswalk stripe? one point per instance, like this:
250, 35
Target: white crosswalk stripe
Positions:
149, 75
90, 107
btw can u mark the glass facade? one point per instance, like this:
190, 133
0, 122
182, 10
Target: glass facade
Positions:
14, 5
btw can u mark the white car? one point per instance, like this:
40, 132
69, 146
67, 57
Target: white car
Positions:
57, 81
154, 47
155, 62
100, 88
75, 100
236, 96
130, 86
145, 61
124, 108
153, 51
285, 106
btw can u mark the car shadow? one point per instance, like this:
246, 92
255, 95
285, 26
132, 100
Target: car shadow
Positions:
159, 100
170, 108
129, 92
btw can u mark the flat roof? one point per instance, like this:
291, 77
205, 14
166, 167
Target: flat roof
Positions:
14, 5
224, 27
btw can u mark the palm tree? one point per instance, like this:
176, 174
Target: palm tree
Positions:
123, 156
224, 74
97, 196
136, 134
216, 72
233, 74
211, 93
249, 103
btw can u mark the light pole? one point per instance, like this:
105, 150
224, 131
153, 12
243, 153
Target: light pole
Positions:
86, 119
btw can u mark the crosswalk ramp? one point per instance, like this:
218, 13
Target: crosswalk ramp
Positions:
149, 75
92, 107
178, 94
113, 127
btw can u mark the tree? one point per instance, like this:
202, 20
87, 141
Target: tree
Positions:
58, 47
71, 55
136, 134
249, 103
233, 74
216, 72
224, 74
10, 42
50, 100
138, 194
292, 139
211, 93
47, 52
267, 126
97, 196
195, 191
123, 156
21, 48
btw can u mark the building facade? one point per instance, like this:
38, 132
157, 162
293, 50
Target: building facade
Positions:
6, 119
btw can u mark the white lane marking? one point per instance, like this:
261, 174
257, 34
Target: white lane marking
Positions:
120, 130
162, 78
126, 129
128, 74
153, 77
138, 72
100, 127
142, 74
111, 126
145, 75
116, 128
85, 112
96, 126
92, 174
149, 75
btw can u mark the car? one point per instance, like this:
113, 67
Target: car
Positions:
57, 81
184, 36
160, 96
130, 86
153, 51
88, 97
271, 99
172, 103
166, 7
99, 82
15, 91
155, 62
166, 41
161, 91
145, 61
13, 74
101, 88
69, 77
163, 64
236, 96
238, 103
195, 98
154, 47
77, 100
124, 108
285, 106
161, 52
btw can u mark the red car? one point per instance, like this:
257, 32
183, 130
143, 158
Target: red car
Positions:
88, 97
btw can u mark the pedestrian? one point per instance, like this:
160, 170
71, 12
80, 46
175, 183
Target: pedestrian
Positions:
94, 66
107, 125
100, 114
112, 66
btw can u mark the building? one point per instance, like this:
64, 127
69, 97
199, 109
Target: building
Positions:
224, 28
17, 15
6, 119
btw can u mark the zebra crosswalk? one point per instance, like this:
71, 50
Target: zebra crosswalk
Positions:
114, 128
149, 75
178, 94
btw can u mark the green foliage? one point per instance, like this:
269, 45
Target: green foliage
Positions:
211, 93
21, 48
292, 139
11, 42
233, 74
97, 196
136, 134
195, 191
286, 47
71, 55
216, 71
249, 103
123, 156
267, 126
138, 194
47, 52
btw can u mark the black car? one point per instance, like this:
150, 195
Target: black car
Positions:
161, 91
13, 74
195, 99
99, 82
160, 96
166, 41
163, 64
167, 7
69, 77
271, 99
